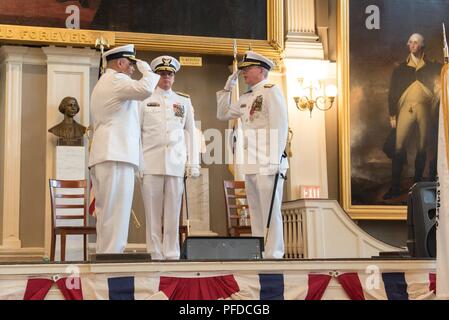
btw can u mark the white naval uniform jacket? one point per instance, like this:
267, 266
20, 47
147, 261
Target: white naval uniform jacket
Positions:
262, 110
115, 116
168, 134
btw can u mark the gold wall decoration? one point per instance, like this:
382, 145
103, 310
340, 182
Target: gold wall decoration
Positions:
54, 36
372, 42
271, 47
191, 61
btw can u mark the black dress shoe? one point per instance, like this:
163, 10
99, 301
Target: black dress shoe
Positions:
391, 193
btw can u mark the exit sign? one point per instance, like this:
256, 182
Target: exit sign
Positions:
310, 192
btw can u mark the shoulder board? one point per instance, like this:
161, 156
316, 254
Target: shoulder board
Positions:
183, 94
268, 86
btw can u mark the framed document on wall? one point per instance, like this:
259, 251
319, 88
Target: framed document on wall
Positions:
390, 59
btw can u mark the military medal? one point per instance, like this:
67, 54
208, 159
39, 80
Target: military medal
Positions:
256, 107
179, 110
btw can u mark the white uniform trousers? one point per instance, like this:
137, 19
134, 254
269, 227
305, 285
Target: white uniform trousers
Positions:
259, 189
162, 198
113, 184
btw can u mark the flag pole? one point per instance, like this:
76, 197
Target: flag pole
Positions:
444, 81
234, 124
100, 43
446, 48
187, 206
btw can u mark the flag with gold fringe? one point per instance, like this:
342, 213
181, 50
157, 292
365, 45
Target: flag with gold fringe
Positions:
443, 192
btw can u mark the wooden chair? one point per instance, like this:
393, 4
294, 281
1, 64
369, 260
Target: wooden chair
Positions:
63, 231
235, 199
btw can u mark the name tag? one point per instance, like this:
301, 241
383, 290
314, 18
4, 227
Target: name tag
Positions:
243, 106
153, 105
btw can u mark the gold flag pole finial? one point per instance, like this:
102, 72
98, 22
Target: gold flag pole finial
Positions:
102, 43
235, 50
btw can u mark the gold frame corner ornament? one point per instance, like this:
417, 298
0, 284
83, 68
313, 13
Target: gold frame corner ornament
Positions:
356, 212
272, 47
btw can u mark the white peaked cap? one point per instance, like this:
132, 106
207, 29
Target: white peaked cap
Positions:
165, 63
127, 51
252, 58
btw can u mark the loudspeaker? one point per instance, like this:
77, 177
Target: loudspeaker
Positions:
421, 220
221, 248
120, 257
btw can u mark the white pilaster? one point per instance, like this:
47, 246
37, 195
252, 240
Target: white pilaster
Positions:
11, 66
68, 74
300, 17
304, 58
302, 40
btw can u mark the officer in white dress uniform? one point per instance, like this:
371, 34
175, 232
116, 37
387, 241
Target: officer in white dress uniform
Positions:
115, 149
171, 152
263, 111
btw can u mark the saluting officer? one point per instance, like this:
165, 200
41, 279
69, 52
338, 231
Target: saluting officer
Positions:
115, 150
171, 152
265, 129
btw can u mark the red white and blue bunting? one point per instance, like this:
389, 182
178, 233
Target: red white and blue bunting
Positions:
239, 286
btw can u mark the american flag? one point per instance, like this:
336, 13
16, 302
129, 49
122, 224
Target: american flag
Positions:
443, 188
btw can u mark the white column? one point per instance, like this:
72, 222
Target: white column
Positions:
304, 58
11, 69
68, 74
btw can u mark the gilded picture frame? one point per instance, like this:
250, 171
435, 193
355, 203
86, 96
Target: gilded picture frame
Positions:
373, 41
272, 46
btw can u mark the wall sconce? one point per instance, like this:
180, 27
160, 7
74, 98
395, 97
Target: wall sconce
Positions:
311, 96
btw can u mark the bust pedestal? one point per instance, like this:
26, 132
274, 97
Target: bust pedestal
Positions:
70, 163
198, 198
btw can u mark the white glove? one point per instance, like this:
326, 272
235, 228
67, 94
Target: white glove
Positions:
192, 171
143, 67
232, 81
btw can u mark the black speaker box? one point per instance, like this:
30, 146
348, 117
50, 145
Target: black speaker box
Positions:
120, 257
421, 220
222, 248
